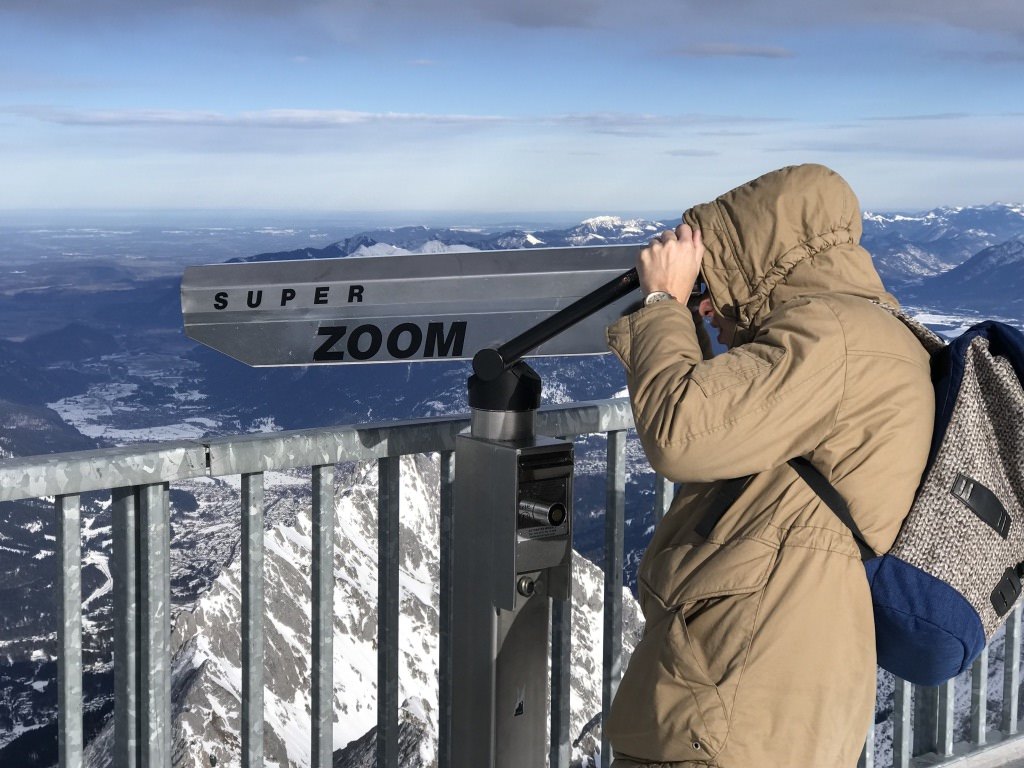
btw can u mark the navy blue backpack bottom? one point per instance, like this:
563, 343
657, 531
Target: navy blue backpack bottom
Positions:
925, 631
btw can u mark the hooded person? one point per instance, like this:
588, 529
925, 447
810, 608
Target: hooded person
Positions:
759, 649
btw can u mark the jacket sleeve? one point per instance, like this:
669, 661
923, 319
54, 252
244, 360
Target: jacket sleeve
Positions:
745, 411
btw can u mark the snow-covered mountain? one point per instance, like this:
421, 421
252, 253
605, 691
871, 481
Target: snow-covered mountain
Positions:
990, 281
599, 230
908, 248
602, 230
206, 639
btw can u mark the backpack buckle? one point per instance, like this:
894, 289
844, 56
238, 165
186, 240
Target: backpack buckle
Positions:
1006, 592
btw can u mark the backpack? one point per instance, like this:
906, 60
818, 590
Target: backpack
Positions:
955, 569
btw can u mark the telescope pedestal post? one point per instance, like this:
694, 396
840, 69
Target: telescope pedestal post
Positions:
511, 554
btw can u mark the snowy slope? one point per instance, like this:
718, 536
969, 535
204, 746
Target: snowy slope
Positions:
207, 663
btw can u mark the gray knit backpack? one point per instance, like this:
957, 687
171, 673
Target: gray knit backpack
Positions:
955, 570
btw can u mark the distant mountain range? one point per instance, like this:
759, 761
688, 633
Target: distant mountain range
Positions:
907, 248
600, 230
990, 282
118, 369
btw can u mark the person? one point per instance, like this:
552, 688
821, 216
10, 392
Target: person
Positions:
758, 648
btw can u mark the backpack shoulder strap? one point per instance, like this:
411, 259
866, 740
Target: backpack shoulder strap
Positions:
827, 493
727, 495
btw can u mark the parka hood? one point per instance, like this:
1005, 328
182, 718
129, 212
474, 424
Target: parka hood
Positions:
790, 233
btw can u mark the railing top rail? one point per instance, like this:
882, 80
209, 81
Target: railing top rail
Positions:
58, 474
96, 470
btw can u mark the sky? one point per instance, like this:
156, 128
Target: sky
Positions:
596, 106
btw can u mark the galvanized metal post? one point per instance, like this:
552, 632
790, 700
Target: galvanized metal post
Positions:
867, 754
1011, 673
475, 623
613, 557
933, 719
946, 718
512, 556
561, 682
664, 492
926, 707
445, 620
561, 678
388, 488
69, 633
902, 735
322, 619
123, 564
252, 620
154, 627
979, 699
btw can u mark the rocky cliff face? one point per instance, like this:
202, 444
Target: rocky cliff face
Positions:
207, 644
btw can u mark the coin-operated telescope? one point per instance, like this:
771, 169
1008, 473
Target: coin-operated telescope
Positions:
512, 549
513, 488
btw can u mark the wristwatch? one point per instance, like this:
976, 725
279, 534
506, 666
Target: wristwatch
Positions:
655, 296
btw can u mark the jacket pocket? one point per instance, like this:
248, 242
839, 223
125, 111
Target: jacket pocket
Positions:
676, 698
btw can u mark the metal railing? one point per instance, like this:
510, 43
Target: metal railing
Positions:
139, 479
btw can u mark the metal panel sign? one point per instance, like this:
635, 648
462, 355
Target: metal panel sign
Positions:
442, 306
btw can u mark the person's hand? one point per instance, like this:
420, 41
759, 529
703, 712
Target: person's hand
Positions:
671, 263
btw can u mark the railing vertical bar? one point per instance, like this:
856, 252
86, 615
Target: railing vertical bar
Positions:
561, 678
388, 485
979, 699
902, 735
154, 626
946, 719
1011, 673
561, 682
445, 628
926, 709
664, 491
69, 633
613, 560
867, 754
322, 640
252, 620
123, 563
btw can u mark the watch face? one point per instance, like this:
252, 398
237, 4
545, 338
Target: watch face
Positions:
656, 296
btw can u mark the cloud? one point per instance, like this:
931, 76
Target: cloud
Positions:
994, 57
998, 16
619, 137
937, 117
616, 123
23, 81
270, 118
712, 50
957, 137
692, 153
522, 13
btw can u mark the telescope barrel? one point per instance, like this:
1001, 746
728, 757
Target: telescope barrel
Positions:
489, 363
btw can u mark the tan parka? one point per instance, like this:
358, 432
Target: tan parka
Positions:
759, 650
